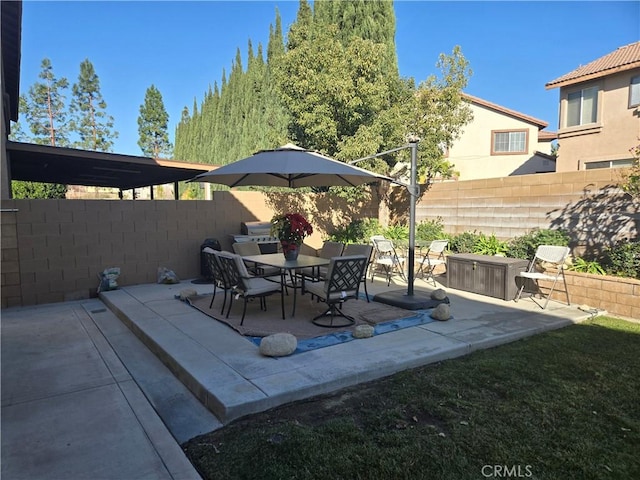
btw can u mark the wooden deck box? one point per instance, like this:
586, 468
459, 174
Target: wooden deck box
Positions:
485, 274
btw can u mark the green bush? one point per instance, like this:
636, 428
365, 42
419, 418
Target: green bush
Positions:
429, 230
397, 232
525, 246
358, 231
463, 242
623, 260
490, 245
584, 266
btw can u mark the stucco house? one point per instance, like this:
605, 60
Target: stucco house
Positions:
501, 142
599, 111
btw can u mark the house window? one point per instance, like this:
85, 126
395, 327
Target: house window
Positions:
509, 142
582, 107
609, 164
634, 92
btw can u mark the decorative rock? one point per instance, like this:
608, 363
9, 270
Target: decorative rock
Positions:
442, 312
438, 294
363, 331
278, 345
186, 293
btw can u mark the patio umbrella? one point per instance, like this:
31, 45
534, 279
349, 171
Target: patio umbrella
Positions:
289, 166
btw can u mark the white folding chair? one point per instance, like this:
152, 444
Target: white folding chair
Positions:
433, 257
385, 257
551, 256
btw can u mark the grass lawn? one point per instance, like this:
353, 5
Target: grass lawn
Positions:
560, 405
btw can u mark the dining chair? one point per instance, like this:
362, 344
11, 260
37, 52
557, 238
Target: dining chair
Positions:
216, 275
360, 249
386, 257
245, 249
342, 284
329, 250
433, 257
246, 285
546, 256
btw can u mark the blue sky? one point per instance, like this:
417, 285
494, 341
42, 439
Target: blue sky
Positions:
182, 47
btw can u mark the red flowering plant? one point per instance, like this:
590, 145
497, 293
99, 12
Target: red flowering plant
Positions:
291, 229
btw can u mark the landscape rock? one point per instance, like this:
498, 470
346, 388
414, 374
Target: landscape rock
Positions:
442, 312
438, 294
363, 331
278, 345
187, 292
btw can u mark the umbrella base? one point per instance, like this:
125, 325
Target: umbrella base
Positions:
399, 298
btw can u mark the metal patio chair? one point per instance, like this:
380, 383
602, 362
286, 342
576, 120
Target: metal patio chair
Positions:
342, 284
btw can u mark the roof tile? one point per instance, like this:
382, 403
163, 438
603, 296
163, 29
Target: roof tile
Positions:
623, 58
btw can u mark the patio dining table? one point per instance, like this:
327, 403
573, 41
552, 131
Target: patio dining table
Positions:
288, 267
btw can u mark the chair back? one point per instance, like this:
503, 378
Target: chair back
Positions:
358, 249
214, 266
246, 248
331, 249
344, 277
552, 254
438, 246
229, 267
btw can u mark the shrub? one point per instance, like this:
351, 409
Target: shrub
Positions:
358, 231
397, 232
490, 245
525, 246
429, 230
464, 242
584, 266
623, 259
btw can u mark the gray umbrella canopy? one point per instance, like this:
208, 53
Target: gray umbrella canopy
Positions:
289, 166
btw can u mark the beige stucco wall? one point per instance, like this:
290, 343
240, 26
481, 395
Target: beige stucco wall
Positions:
611, 137
471, 154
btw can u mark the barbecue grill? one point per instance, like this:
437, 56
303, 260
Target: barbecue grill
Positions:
259, 232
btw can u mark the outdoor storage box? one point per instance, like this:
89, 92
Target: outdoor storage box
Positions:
485, 274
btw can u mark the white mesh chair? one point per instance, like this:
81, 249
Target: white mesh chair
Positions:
342, 284
548, 256
433, 257
386, 258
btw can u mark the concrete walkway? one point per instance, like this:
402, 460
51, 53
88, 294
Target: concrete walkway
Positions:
83, 397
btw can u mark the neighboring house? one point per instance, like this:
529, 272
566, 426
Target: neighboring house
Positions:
600, 111
500, 142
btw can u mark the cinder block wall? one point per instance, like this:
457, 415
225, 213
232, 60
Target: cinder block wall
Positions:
53, 250
587, 202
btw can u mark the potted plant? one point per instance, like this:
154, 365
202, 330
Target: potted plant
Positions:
291, 229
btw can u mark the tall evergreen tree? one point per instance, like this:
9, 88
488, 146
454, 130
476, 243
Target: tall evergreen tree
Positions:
90, 119
152, 125
46, 113
24, 189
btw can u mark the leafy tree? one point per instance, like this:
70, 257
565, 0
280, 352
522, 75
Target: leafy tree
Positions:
46, 113
88, 108
152, 125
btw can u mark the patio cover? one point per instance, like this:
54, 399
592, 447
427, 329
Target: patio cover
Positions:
69, 166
